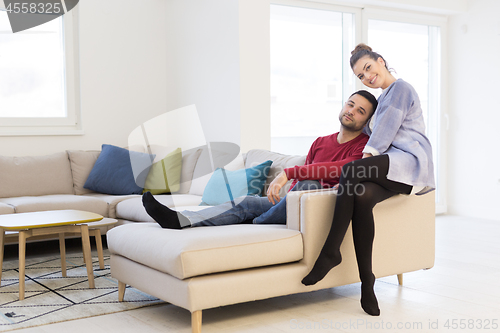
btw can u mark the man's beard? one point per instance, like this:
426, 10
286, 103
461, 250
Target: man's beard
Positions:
352, 126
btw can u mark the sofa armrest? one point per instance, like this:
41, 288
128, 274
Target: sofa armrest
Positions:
293, 205
404, 236
311, 213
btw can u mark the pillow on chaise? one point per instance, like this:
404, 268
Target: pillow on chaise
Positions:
241, 182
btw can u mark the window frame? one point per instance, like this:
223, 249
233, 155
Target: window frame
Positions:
71, 124
346, 53
438, 121
348, 80
361, 16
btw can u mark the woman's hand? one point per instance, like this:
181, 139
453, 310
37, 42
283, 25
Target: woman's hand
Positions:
273, 192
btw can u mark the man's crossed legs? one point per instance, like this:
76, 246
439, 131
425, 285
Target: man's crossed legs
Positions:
249, 209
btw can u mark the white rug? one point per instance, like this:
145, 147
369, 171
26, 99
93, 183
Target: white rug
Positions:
50, 298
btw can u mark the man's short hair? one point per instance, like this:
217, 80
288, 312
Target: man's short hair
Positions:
369, 97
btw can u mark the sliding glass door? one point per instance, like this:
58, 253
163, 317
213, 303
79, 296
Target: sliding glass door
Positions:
412, 48
311, 77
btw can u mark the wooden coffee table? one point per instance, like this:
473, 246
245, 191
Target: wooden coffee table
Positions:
94, 230
46, 223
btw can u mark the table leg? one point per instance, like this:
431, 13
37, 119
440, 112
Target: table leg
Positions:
2, 235
62, 249
22, 262
87, 254
98, 241
121, 290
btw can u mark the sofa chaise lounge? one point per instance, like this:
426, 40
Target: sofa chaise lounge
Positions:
207, 267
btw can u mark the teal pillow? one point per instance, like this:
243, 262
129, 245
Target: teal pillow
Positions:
227, 185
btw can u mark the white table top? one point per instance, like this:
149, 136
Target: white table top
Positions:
102, 223
21, 221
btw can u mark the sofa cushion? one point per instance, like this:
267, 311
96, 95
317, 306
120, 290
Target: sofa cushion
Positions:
57, 202
198, 184
165, 175
82, 163
111, 200
35, 175
241, 182
119, 171
6, 209
189, 160
133, 210
280, 162
214, 155
205, 250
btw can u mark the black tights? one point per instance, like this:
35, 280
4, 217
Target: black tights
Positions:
363, 184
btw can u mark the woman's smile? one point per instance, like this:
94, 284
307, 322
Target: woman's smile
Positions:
373, 73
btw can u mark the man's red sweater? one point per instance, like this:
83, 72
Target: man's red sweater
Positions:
325, 159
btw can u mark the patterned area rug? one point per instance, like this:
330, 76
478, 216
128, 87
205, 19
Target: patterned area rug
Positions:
50, 298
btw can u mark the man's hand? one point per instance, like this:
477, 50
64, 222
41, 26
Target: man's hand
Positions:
273, 192
365, 155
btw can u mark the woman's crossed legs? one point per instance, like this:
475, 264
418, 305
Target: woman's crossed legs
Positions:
363, 184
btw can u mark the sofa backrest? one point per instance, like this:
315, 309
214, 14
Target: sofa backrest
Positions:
35, 175
82, 162
280, 161
221, 156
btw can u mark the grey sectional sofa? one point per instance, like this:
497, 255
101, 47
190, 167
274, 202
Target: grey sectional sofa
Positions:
202, 268
207, 267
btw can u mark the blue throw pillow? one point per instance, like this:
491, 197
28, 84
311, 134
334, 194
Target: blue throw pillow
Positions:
227, 185
119, 171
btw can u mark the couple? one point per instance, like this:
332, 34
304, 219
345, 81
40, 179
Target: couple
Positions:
396, 146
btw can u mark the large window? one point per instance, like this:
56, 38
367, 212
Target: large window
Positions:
308, 74
311, 76
39, 91
413, 50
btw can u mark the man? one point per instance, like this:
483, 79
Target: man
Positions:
322, 169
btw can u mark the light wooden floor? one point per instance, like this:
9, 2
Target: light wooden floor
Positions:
463, 286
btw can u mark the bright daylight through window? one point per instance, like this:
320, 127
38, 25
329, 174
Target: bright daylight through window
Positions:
39, 81
306, 75
311, 77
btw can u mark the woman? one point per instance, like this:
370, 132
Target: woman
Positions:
396, 160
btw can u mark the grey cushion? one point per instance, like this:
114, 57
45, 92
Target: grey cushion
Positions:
35, 175
189, 160
280, 162
112, 200
199, 251
57, 202
133, 210
82, 163
6, 209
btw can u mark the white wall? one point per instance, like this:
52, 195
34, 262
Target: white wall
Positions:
255, 74
218, 59
123, 76
138, 62
473, 162
203, 63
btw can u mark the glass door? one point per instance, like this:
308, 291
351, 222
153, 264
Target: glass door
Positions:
413, 50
